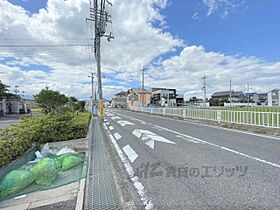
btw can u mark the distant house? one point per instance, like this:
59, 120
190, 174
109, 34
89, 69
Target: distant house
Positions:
120, 100
163, 97
262, 99
225, 95
273, 97
136, 97
179, 100
13, 106
257, 98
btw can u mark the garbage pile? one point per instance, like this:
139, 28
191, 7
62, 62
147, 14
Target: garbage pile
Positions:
43, 170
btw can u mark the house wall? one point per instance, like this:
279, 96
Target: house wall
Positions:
135, 99
273, 98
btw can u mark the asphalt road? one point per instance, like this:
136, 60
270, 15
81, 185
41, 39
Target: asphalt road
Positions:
7, 123
175, 164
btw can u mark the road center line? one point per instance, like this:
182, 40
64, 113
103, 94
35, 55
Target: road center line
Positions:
131, 154
221, 147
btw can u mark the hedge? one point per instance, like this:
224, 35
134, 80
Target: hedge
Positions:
17, 139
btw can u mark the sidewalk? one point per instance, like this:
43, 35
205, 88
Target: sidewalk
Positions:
101, 190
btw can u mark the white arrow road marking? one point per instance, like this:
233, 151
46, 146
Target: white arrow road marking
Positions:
189, 139
131, 154
117, 136
124, 123
149, 137
109, 114
115, 118
105, 120
111, 128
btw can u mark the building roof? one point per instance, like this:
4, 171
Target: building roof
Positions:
262, 94
222, 93
227, 94
137, 90
156, 89
250, 94
236, 94
122, 93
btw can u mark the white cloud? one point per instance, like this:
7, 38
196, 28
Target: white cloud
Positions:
186, 70
137, 41
223, 7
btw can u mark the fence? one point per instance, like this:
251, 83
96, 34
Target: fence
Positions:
264, 119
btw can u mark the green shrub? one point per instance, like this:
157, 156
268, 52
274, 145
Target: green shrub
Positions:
15, 140
10, 149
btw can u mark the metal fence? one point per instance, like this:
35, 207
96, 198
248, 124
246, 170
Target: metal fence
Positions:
264, 119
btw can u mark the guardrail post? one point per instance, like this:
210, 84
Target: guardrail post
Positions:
219, 116
164, 112
184, 114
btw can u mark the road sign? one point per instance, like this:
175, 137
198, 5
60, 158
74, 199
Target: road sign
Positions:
149, 137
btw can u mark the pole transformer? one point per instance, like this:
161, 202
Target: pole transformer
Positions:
101, 18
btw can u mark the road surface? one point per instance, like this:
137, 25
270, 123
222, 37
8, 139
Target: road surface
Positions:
7, 123
179, 165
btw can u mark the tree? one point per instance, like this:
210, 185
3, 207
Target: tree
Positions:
51, 101
4, 92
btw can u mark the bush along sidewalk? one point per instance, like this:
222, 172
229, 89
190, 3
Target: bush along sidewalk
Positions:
17, 139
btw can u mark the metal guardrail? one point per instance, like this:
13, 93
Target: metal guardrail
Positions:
263, 119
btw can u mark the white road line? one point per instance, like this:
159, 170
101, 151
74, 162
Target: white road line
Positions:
117, 136
131, 154
213, 126
111, 128
107, 123
147, 202
221, 147
188, 139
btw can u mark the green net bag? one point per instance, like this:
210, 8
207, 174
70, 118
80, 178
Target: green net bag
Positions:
45, 172
70, 161
14, 182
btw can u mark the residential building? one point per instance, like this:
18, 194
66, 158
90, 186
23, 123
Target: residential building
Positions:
12, 106
163, 97
262, 99
179, 100
136, 97
120, 100
30, 103
273, 97
238, 96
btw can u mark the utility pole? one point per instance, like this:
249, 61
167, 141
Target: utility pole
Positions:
143, 86
93, 94
230, 91
248, 94
17, 92
204, 90
101, 18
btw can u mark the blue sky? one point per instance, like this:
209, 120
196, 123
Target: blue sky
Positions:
217, 38
252, 30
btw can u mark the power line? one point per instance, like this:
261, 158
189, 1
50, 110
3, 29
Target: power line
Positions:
44, 45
